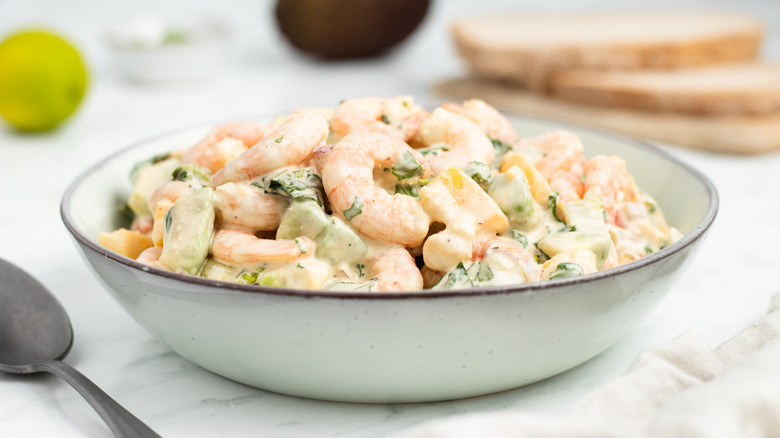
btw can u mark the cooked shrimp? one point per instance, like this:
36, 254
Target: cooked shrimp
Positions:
568, 185
292, 143
454, 141
496, 245
169, 192
570, 263
212, 152
143, 224
348, 179
161, 201
243, 205
398, 116
490, 121
237, 247
395, 270
610, 176
151, 257
562, 151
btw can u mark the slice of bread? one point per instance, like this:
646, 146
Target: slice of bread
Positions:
751, 88
736, 134
528, 49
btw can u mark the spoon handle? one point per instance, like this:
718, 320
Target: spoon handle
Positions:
119, 420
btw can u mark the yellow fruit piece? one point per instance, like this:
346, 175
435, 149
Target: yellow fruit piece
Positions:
540, 188
454, 199
42, 80
126, 242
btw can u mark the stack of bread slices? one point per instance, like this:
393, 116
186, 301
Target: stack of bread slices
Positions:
691, 78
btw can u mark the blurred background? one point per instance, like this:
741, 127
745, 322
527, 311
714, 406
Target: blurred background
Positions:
261, 72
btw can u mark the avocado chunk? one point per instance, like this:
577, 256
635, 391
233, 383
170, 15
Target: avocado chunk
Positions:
146, 177
214, 270
348, 28
598, 242
189, 225
340, 243
304, 217
512, 193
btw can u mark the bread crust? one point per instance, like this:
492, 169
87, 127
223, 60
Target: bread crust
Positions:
528, 65
752, 88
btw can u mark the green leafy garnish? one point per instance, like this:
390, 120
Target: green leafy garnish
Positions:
279, 140
355, 209
479, 172
408, 190
360, 269
190, 173
500, 148
407, 167
385, 119
169, 220
552, 204
294, 184
648, 249
520, 238
566, 270
301, 246
179, 174
435, 151
251, 278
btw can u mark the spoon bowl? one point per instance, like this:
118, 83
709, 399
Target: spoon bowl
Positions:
35, 333
34, 326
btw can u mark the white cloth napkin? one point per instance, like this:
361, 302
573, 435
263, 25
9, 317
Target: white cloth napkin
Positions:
681, 389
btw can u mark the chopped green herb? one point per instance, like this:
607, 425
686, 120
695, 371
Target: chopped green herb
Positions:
651, 208
566, 270
300, 266
125, 215
408, 190
552, 204
484, 274
500, 148
648, 249
521, 239
407, 167
191, 173
435, 151
294, 184
479, 172
354, 210
169, 220
179, 174
251, 278
360, 269
301, 245
279, 140
385, 119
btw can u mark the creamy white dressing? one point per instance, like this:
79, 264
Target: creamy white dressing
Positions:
466, 213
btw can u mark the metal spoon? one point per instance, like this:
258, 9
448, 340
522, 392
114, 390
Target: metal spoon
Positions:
35, 333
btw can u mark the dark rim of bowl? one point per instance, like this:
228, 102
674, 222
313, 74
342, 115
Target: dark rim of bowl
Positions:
228, 287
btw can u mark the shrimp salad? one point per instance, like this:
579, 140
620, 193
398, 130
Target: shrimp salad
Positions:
379, 194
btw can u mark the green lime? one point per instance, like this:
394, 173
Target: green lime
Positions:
42, 80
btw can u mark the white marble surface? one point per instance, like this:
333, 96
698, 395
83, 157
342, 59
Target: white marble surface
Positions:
726, 287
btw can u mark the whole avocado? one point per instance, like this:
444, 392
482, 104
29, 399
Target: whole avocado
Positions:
348, 28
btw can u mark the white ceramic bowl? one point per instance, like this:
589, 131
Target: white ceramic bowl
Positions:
399, 347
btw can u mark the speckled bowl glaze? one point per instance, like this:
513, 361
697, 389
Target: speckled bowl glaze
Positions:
399, 347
